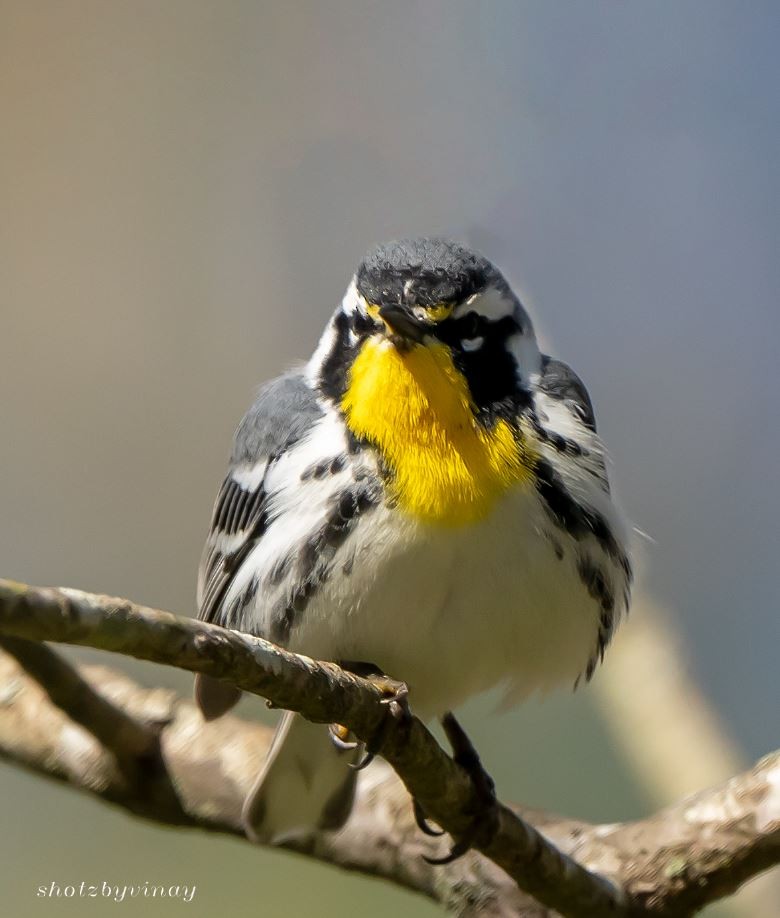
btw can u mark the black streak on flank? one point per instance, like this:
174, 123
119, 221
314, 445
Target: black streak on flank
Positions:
579, 521
323, 469
596, 584
602, 640
575, 519
233, 615
316, 555
557, 441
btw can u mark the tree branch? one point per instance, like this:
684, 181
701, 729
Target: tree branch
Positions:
670, 864
323, 693
127, 738
682, 744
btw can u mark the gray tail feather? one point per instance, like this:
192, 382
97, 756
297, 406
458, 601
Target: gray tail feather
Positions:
306, 783
214, 698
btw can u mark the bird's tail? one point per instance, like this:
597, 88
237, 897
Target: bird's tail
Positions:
213, 697
306, 783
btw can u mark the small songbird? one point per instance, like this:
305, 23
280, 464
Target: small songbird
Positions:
427, 498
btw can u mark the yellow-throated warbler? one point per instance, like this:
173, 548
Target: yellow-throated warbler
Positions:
427, 498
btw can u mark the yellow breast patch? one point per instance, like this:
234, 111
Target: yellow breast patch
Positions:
416, 409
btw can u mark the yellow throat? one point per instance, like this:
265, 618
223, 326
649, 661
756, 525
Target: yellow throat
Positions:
416, 409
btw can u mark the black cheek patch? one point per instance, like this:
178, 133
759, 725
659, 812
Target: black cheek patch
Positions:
490, 370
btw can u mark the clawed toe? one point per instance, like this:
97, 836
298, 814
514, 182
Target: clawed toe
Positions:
485, 821
422, 821
457, 850
483, 827
396, 697
366, 760
338, 735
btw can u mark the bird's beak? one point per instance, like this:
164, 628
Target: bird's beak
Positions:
402, 322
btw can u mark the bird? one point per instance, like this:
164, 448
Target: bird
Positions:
425, 501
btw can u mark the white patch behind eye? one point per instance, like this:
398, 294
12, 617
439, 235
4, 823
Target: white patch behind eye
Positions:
472, 344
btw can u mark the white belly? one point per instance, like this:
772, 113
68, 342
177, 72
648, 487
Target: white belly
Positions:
455, 611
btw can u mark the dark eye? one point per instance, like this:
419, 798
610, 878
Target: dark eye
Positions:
471, 326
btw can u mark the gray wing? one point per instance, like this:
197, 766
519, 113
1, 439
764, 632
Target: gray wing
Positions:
559, 381
283, 412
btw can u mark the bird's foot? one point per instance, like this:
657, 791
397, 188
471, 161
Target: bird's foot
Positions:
396, 695
484, 824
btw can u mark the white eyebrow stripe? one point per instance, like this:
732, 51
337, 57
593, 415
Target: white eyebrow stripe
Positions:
492, 304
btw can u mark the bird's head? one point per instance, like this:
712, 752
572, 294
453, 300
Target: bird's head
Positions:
430, 359
428, 297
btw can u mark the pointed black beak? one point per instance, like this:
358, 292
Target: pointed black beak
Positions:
401, 322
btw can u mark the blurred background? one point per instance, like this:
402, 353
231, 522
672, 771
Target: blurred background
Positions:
186, 188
